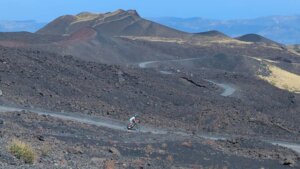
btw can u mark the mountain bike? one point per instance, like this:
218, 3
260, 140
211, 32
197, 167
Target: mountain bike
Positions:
133, 126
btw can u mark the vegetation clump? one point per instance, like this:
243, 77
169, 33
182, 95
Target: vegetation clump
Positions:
22, 150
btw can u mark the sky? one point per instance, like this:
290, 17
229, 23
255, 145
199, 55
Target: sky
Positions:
46, 10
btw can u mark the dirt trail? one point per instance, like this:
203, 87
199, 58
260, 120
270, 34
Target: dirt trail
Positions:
145, 64
102, 122
229, 89
119, 125
295, 147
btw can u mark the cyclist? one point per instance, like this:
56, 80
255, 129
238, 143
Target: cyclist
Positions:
132, 121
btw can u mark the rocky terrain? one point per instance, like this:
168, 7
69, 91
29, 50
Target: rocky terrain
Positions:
63, 83
245, 91
66, 144
295, 47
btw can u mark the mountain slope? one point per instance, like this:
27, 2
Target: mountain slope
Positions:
256, 39
125, 38
63, 83
283, 29
295, 48
115, 23
114, 65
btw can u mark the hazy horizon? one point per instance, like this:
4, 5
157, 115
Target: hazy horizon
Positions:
47, 10
196, 17
150, 17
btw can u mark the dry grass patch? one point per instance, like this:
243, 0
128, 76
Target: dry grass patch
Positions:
260, 59
283, 79
22, 151
230, 41
273, 46
84, 17
156, 39
295, 49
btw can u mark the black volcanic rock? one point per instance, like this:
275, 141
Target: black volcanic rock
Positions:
54, 82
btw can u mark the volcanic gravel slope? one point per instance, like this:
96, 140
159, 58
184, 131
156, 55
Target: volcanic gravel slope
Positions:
62, 83
65, 144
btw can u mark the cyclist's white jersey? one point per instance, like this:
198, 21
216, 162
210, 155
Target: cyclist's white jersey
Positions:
132, 119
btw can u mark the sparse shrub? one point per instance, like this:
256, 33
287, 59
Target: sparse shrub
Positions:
170, 158
45, 150
164, 145
109, 164
22, 150
188, 144
149, 149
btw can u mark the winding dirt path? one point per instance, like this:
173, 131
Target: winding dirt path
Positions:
229, 89
119, 125
145, 64
101, 122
